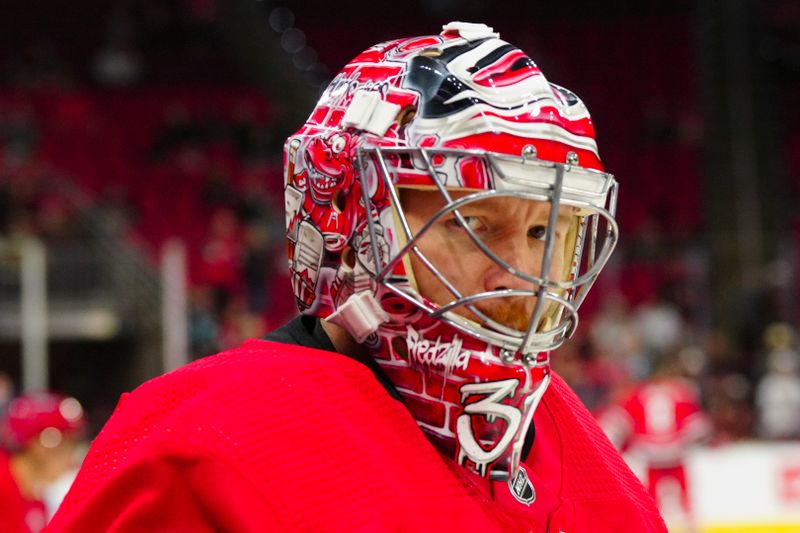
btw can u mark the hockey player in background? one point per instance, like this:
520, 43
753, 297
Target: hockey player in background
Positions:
446, 214
655, 426
40, 434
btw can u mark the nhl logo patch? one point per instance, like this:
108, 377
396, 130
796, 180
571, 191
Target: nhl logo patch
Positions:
522, 488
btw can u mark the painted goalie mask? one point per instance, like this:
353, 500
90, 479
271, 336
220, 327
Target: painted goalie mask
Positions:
446, 205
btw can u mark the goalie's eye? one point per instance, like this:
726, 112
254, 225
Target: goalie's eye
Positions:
538, 232
473, 223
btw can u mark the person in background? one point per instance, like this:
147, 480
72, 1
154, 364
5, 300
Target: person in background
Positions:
41, 434
777, 394
6, 392
655, 426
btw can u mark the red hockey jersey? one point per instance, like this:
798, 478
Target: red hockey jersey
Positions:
658, 422
18, 514
276, 437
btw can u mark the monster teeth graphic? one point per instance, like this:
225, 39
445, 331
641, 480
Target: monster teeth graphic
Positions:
320, 181
320, 184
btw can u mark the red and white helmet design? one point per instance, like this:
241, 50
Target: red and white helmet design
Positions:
471, 117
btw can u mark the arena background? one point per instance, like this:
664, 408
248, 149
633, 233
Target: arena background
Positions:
141, 210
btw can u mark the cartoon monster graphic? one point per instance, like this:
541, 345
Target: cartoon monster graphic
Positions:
328, 175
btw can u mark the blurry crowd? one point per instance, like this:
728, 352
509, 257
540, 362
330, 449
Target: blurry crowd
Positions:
746, 394
232, 221
34, 194
188, 170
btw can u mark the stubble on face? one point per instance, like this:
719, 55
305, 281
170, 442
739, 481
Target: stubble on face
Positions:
465, 265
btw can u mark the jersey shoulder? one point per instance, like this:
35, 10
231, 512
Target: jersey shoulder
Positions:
241, 380
311, 434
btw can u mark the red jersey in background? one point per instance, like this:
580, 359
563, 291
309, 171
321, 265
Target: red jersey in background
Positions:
655, 426
18, 514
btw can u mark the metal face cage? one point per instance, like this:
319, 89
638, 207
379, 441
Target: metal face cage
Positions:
591, 194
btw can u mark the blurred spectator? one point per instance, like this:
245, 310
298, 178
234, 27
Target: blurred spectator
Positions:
730, 407
255, 265
262, 240
616, 338
41, 435
19, 133
245, 130
117, 64
661, 327
115, 210
217, 190
589, 376
220, 266
203, 324
239, 324
254, 139
54, 217
6, 392
177, 131
761, 302
777, 395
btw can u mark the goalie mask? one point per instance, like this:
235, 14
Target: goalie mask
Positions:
446, 205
